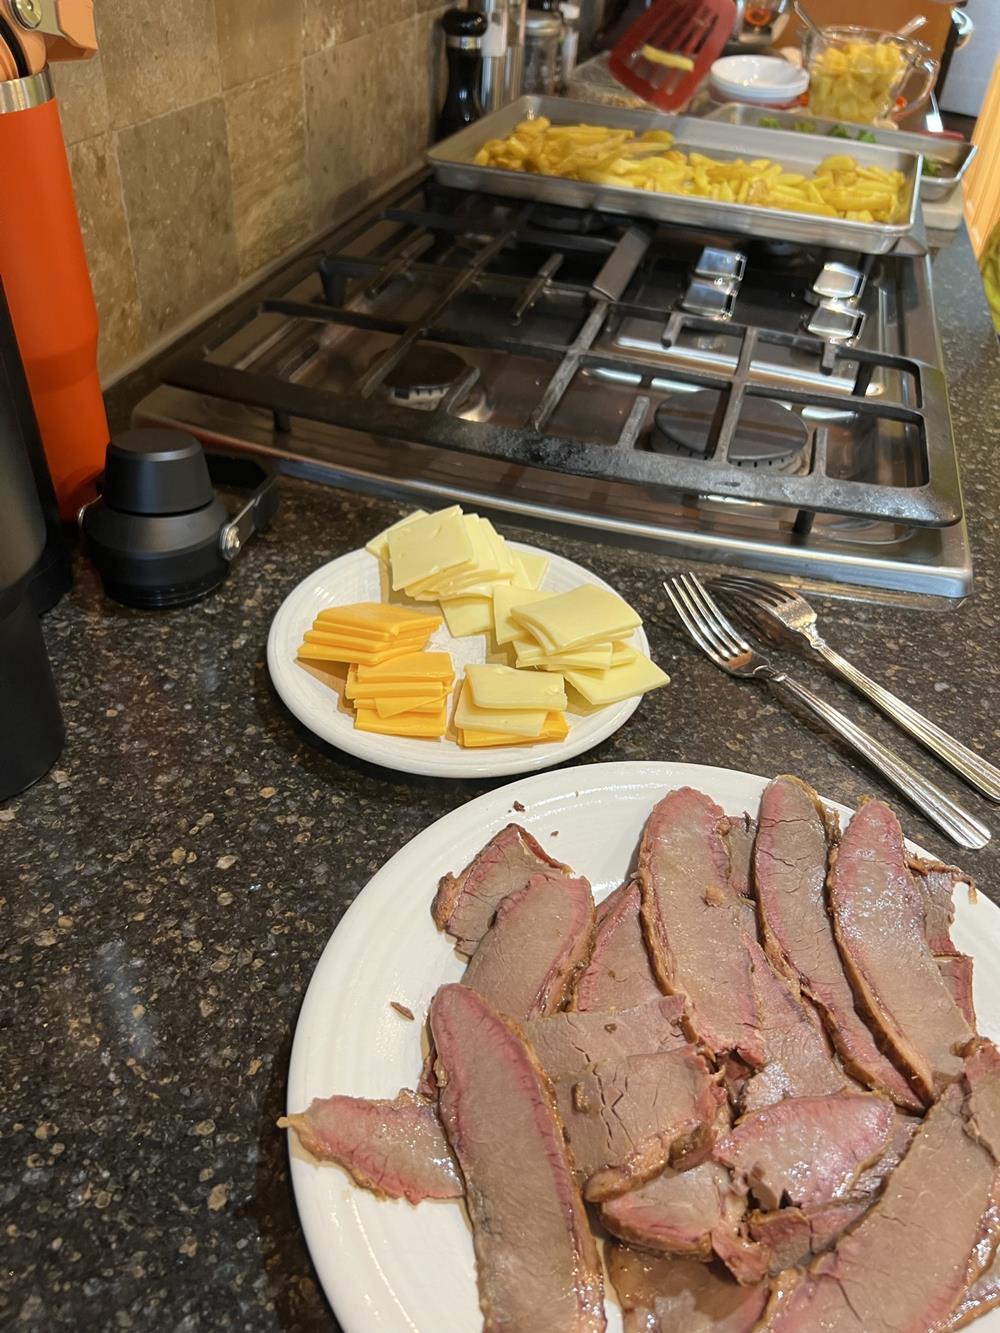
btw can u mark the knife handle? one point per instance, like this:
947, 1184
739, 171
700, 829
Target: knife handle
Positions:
976, 770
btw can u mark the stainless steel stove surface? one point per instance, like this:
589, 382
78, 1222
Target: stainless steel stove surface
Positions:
656, 385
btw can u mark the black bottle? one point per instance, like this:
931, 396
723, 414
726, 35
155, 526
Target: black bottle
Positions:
463, 36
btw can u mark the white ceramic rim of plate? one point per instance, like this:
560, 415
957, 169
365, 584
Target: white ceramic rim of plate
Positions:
768, 76
350, 1287
445, 758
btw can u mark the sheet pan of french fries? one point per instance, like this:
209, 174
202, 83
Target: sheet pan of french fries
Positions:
688, 170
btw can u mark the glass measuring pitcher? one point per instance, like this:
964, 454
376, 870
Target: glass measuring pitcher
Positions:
858, 73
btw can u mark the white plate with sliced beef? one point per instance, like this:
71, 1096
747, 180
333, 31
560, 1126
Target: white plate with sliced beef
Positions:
387, 1264
314, 696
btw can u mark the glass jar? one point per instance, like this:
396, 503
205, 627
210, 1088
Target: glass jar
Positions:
543, 34
858, 74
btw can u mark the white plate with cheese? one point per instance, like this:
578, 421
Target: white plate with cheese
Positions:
359, 577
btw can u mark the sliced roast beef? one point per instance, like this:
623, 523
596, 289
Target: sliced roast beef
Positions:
739, 838
807, 1151
870, 1182
619, 974
661, 1295
537, 1263
465, 904
905, 1264
790, 869
983, 1295
936, 883
794, 1236
798, 1060
571, 1043
675, 1212
956, 973
526, 962
396, 1149
694, 922
878, 920
624, 1121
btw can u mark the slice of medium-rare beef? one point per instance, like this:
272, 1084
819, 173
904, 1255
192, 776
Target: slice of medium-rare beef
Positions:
695, 925
790, 871
739, 839
675, 1212
936, 883
572, 1042
465, 904
396, 1149
793, 1237
625, 1121
619, 974
906, 1264
956, 973
870, 1182
878, 921
798, 1059
669, 1295
807, 1151
525, 964
537, 1263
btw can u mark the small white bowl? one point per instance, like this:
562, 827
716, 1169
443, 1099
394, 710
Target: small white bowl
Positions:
763, 80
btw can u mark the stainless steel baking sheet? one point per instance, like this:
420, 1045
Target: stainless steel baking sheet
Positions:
953, 155
452, 163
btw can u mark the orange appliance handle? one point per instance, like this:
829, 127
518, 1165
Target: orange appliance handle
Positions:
44, 271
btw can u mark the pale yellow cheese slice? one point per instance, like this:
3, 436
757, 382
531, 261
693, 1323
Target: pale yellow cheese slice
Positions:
598, 657
414, 666
516, 722
507, 560
618, 683
577, 618
379, 545
429, 546
623, 652
481, 567
505, 599
531, 569
468, 615
556, 728
501, 687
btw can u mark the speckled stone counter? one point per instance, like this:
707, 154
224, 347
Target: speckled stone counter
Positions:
169, 887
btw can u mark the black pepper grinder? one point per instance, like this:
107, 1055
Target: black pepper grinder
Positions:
464, 31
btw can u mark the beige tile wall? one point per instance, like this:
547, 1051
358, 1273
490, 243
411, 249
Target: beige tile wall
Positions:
205, 145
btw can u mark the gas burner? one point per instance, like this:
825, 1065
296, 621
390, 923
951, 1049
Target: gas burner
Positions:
425, 376
768, 435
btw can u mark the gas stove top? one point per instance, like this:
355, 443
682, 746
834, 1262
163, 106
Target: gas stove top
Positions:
718, 397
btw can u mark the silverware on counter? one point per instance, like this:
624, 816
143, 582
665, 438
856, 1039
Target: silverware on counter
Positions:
726, 647
792, 617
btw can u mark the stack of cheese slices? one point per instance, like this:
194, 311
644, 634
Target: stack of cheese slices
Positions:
394, 687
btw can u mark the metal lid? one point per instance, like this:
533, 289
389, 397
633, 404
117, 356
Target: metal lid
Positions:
538, 24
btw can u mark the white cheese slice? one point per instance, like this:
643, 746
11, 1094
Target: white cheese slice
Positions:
505, 688
598, 657
618, 683
505, 599
379, 545
577, 618
429, 546
516, 722
468, 615
532, 569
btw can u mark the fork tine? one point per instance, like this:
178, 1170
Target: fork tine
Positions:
764, 592
673, 591
724, 628
688, 593
711, 641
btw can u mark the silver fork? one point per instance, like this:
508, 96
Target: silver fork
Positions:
726, 647
790, 614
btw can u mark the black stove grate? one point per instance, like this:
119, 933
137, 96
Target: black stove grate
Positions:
487, 230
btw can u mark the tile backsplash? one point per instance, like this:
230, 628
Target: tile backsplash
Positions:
210, 136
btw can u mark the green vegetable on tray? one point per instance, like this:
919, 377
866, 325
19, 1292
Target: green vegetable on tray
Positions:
804, 127
838, 132
866, 136
931, 168
769, 123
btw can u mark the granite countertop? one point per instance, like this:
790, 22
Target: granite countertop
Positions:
170, 885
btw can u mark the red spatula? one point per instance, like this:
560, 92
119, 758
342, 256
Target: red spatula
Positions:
694, 30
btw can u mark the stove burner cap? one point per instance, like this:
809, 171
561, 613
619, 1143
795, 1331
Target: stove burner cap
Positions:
424, 376
768, 434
